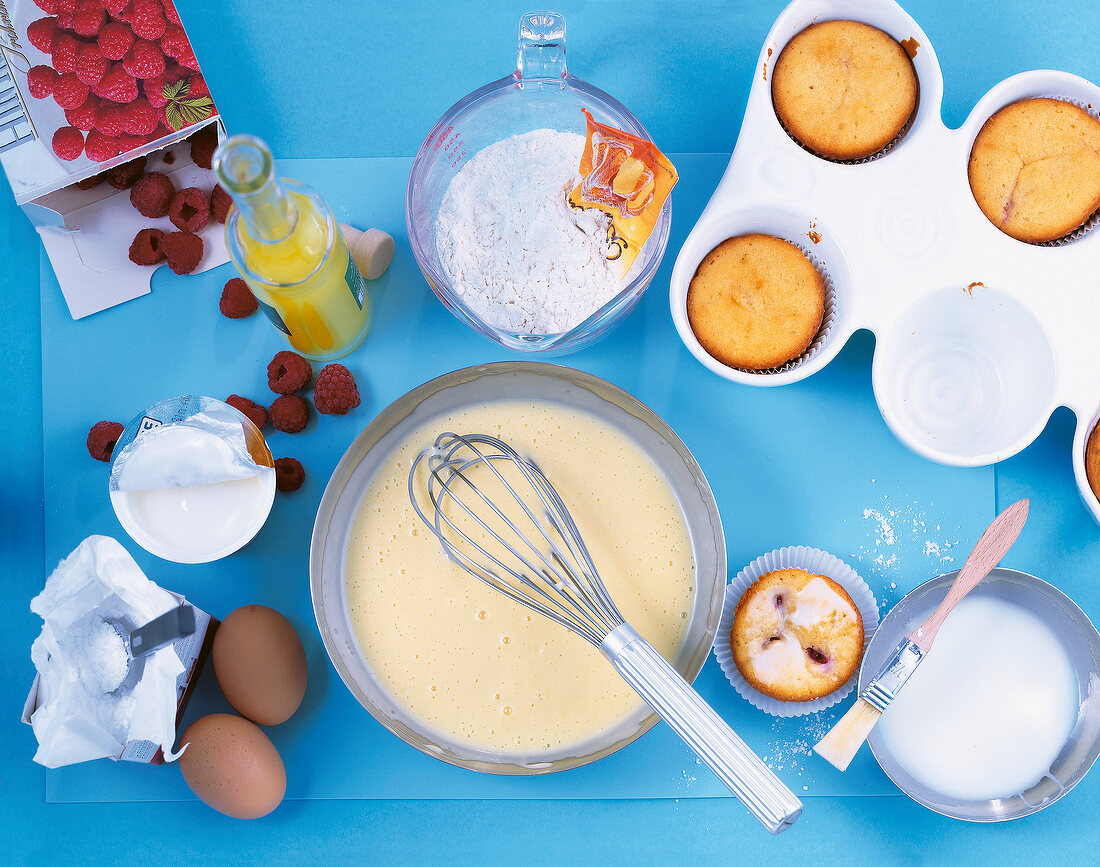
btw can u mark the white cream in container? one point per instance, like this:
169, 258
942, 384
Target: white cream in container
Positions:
192, 480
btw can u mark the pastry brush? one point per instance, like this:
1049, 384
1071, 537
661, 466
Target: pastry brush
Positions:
843, 740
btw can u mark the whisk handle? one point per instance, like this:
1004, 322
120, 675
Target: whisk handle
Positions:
679, 705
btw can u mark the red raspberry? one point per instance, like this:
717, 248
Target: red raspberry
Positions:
289, 474
237, 300
114, 40
220, 203
41, 34
147, 19
65, 19
64, 53
118, 85
288, 372
126, 175
154, 91
144, 60
90, 183
256, 413
83, 116
190, 209
69, 91
47, 6
108, 119
198, 87
100, 147
203, 144
146, 248
183, 251
139, 118
114, 7
102, 438
170, 13
68, 142
67, 5
289, 413
335, 391
40, 81
174, 43
91, 66
88, 19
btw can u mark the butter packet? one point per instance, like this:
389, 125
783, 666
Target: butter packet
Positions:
627, 178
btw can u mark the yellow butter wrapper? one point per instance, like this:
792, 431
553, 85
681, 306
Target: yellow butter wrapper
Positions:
628, 179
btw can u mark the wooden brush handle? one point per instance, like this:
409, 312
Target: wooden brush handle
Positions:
991, 547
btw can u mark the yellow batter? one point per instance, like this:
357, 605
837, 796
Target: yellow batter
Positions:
476, 667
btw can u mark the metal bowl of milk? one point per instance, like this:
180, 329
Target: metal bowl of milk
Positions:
459, 671
1003, 716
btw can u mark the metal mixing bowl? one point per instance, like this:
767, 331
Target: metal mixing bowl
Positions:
1082, 643
476, 386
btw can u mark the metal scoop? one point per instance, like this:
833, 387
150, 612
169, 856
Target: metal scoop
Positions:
539, 559
139, 643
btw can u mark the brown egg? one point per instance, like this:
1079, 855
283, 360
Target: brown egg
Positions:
233, 766
260, 664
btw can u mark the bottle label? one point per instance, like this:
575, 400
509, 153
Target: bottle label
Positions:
272, 314
355, 283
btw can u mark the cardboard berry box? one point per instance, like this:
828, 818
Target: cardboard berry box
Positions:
85, 86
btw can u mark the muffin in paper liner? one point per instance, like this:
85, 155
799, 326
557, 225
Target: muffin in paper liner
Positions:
816, 562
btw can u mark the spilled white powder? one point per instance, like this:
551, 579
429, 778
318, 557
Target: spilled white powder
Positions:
515, 252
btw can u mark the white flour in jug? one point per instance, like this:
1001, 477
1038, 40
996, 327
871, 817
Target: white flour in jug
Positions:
513, 249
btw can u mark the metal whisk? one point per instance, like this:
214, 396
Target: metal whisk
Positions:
537, 557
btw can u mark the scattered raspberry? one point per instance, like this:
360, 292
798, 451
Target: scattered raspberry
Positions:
47, 6
147, 20
335, 391
203, 144
88, 19
69, 91
64, 53
190, 209
289, 413
139, 118
68, 143
108, 120
40, 81
126, 175
183, 251
41, 34
144, 60
146, 248
289, 474
220, 203
152, 194
170, 13
154, 91
198, 87
90, 183
256, 413
102, 438
114, 40
118, 85
100, 147
237, 300
91, 66
288, 372
83, 116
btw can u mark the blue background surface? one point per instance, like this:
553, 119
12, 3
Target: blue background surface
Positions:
797, 465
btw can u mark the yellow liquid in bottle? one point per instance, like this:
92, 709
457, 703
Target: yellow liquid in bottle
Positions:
321, 301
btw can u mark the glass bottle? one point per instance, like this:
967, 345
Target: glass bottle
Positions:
285, 242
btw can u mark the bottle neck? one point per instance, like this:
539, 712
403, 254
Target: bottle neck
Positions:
245, 169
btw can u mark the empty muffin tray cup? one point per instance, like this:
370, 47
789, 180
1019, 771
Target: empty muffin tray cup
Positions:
979, 336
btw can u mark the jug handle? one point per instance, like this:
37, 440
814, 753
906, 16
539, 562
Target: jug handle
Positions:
541, 48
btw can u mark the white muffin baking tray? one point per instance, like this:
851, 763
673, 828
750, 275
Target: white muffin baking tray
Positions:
979, 336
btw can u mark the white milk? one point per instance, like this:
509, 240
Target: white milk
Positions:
991, 706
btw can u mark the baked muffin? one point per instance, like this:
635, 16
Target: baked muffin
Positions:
1035, 168
796, 636
1092, 461
755, 302
844, 89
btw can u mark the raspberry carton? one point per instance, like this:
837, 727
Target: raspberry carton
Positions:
86, 87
